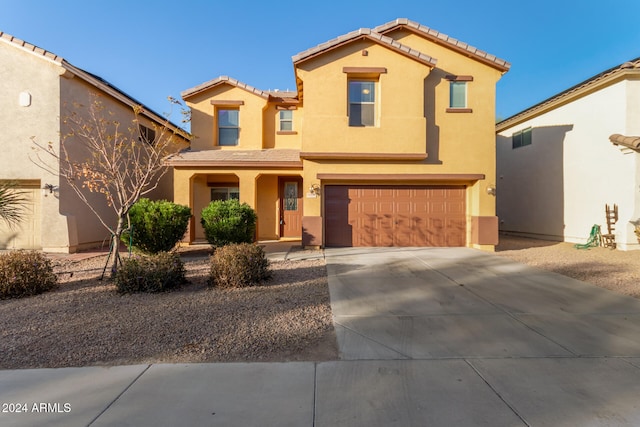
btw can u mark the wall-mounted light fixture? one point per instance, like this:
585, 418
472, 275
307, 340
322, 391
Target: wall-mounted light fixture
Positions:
491, 190
314, 189
51, 189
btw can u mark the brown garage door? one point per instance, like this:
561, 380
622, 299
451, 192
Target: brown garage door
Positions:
364, 215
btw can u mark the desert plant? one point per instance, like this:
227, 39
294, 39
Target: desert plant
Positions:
24, 273
228, 221
238, 265
156, 226
150, 273
12, 203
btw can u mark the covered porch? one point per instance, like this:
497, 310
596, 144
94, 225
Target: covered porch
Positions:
272, 187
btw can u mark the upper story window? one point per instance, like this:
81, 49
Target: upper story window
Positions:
228, 126
286, 120
362, 102
147, 134
458, 94
521, 138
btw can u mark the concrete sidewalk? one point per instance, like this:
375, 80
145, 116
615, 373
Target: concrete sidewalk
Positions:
427, 337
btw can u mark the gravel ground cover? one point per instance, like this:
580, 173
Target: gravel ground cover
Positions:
616, 270
86, 322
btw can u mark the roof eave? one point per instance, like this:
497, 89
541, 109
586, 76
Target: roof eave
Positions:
587, 87
363, 35
449, 42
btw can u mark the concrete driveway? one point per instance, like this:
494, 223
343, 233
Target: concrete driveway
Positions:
427, 337
461, 337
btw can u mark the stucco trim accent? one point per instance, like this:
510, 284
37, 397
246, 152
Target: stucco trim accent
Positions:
364, 70
453, 78
401, 176
286, 132
484, 230
223, 102
312, 230
239, 165
362, 156
459, 110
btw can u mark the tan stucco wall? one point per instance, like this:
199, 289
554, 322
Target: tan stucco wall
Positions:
22, 72
400, 122
66, 223
203, 120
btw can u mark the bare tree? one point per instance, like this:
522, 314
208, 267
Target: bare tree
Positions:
123, 162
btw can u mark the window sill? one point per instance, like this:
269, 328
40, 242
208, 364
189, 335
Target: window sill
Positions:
286, 132
459, 110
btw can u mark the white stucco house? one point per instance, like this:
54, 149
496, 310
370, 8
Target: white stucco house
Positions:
36, 89
560, 161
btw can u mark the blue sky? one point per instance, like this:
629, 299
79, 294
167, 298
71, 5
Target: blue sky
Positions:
155, 49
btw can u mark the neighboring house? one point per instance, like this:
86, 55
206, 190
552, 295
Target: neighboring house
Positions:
38, 90
561, 161
387, 141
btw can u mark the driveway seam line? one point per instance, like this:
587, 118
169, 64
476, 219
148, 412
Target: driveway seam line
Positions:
119, 395
315, 394
372, 340
496, 392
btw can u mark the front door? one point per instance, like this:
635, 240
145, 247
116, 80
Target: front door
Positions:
290, 207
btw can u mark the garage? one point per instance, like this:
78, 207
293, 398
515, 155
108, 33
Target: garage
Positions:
379, 215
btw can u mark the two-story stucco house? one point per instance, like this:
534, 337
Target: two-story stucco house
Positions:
387, 141
561, 161
38, 91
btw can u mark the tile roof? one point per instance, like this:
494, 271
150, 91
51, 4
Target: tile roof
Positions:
238, 158
90, 78
568, 95
370, 35
31, 48
442, 38
632, 142
223, 80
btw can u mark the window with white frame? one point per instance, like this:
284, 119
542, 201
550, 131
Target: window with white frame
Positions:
286, 120
521, 138
225, 193
362, 102
228, 126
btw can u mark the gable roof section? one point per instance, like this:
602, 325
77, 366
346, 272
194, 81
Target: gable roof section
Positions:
274, 95
90, 78
443, 39
220, 81
368, 34
612, 75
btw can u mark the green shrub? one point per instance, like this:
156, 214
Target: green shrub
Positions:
156, 226
24, 273
150, 273
238, 265
228, 221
